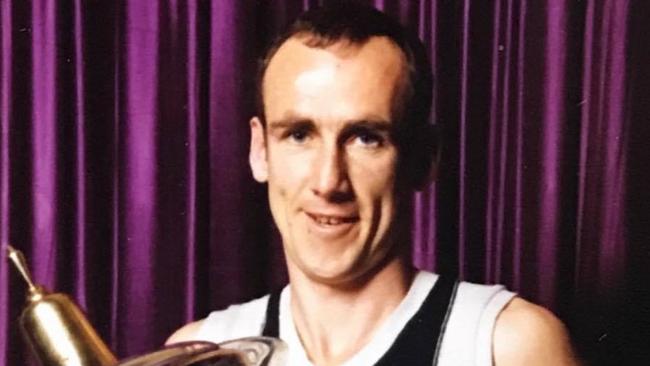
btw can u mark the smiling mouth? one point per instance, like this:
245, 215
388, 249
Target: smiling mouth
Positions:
328, 220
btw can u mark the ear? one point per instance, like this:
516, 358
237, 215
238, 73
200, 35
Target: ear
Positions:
257, 154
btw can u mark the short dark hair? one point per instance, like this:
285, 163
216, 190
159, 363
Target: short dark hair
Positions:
356, 23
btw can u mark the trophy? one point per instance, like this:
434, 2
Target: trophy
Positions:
59, 334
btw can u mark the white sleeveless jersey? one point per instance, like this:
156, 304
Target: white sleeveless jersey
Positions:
467, 338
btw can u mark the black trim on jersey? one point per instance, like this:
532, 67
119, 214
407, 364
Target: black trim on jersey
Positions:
444, 323
272, 322
417, 343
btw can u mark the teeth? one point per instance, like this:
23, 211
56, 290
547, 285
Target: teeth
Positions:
324, 220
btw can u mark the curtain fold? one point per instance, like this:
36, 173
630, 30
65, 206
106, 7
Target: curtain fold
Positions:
6, 58
603, 141
124, 170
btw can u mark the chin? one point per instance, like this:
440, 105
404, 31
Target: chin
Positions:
340, 275
339, 267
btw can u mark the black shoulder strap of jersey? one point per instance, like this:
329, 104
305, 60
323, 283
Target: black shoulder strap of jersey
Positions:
418, 343
272, 322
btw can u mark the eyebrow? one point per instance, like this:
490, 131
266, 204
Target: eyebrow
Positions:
290, 123
376, 124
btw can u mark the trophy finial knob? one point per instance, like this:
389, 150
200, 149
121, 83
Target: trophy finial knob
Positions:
17, 258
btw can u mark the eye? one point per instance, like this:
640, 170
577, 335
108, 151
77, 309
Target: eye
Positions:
297, 135
368, 139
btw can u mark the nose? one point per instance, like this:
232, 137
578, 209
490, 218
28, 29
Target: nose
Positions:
330, 174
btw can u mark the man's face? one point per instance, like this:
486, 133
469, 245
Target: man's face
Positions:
328, 154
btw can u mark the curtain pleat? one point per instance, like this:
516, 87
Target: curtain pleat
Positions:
81, 284
192, 189
44, 130
6, 66
604, 139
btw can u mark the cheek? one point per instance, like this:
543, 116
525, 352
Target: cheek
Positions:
288, 173
377, 176
375, 189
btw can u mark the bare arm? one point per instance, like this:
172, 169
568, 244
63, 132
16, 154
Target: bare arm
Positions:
527, 334
188, 332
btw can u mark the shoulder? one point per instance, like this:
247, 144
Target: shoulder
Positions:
237, 321
188, 332
528, 334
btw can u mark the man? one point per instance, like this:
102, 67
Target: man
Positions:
342, 139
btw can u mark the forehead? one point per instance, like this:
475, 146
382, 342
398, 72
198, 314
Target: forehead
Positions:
361, 78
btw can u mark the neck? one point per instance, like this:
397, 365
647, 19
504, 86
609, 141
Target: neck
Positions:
335, 322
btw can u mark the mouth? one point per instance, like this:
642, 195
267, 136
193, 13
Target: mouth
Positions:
332, 220
331, 227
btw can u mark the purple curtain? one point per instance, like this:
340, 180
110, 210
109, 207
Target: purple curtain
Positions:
124, 174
